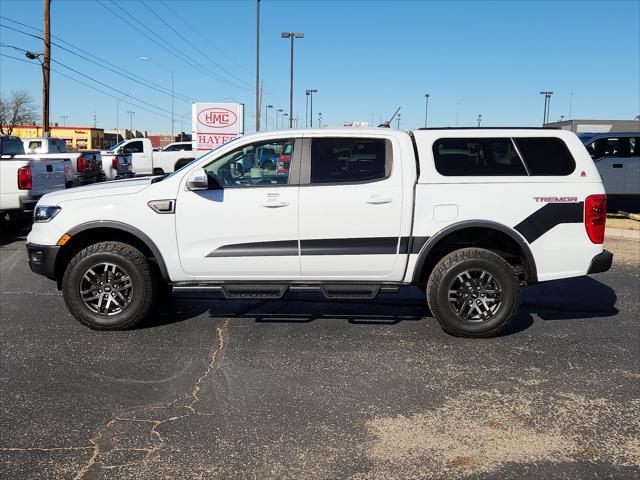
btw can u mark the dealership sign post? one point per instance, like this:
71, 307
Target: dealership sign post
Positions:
213, 124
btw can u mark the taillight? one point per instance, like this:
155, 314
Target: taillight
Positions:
24, 178
114, 163
81, 165
595, 217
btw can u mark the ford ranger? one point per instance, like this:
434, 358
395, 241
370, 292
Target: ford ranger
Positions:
467, 215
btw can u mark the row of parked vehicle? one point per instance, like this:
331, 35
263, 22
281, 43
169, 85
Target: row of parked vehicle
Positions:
32, 167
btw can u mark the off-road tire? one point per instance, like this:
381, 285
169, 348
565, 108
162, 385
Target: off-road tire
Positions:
143, 277
456, 262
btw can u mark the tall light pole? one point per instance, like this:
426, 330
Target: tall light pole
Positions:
172, 95
398, 127
457, 114
277, 115
118, 114
320, 120
547, 104
426, 109
131, 114
257, 65
306, 109
310, 92
284, 119
479, 119
292, 36
64, 120
266, 116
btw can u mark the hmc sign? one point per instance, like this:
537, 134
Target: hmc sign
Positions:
216, 123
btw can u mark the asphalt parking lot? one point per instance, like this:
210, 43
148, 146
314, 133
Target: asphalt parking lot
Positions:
306, 388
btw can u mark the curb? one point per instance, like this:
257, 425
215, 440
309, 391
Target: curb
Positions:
622, 233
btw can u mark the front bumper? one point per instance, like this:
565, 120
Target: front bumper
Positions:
42, 259
601, 262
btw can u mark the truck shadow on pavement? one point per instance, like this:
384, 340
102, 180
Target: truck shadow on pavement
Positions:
570, 299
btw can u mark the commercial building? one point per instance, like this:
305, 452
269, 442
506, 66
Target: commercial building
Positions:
76, 138
597, 126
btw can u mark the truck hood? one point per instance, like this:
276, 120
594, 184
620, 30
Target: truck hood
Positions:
102, 189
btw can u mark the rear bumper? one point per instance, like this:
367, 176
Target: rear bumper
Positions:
27, 204
601, 262
42, 259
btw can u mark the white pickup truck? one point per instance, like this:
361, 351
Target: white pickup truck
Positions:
86, 166
24, 179
467, 215
146, 161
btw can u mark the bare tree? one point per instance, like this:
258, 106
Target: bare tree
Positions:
18, 109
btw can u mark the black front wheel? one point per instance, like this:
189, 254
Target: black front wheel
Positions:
473, 292
109, 286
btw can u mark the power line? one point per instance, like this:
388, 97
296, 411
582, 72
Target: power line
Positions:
90, 86
180, 55
191, 44
108, 66
194, 29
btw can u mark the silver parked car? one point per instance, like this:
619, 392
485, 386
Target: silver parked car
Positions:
617, 157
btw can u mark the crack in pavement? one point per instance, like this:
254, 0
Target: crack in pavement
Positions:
101, 441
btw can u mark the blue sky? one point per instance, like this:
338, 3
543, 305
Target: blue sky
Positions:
365, 58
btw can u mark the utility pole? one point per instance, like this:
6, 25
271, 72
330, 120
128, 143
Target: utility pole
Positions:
277, 115
306, 109
426, 110
64, 120
257, 65
479, 119
398, 127
95, 122
46, 68
172, 119
320, 120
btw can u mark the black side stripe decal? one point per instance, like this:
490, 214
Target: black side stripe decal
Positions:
350, 246
257, 249
552, 214
330, 246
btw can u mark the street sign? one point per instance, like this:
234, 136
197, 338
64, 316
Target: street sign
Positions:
214, 124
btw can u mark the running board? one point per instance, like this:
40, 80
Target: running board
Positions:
346, 292
333, 291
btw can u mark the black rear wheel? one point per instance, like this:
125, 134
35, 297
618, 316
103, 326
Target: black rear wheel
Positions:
473, 292
109, 286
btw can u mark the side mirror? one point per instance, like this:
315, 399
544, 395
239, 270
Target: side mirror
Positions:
198, 179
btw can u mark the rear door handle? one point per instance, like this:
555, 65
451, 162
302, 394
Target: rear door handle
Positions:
617, 165
275, 204
379, 200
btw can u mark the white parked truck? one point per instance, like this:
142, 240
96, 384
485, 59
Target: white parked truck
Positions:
467, 215
24, 179
146, 161
86, 166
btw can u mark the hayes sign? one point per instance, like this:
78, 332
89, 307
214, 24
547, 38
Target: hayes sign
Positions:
216, 123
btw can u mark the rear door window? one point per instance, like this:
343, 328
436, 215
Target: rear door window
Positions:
477, 157
12, 146
546, 156
349, 160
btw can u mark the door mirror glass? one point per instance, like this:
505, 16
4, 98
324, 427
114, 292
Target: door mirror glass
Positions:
198, 179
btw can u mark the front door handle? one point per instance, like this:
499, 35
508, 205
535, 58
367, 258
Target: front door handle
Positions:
275, 204
617, 165
379, 200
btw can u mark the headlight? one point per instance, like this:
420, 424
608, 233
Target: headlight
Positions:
44, 214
